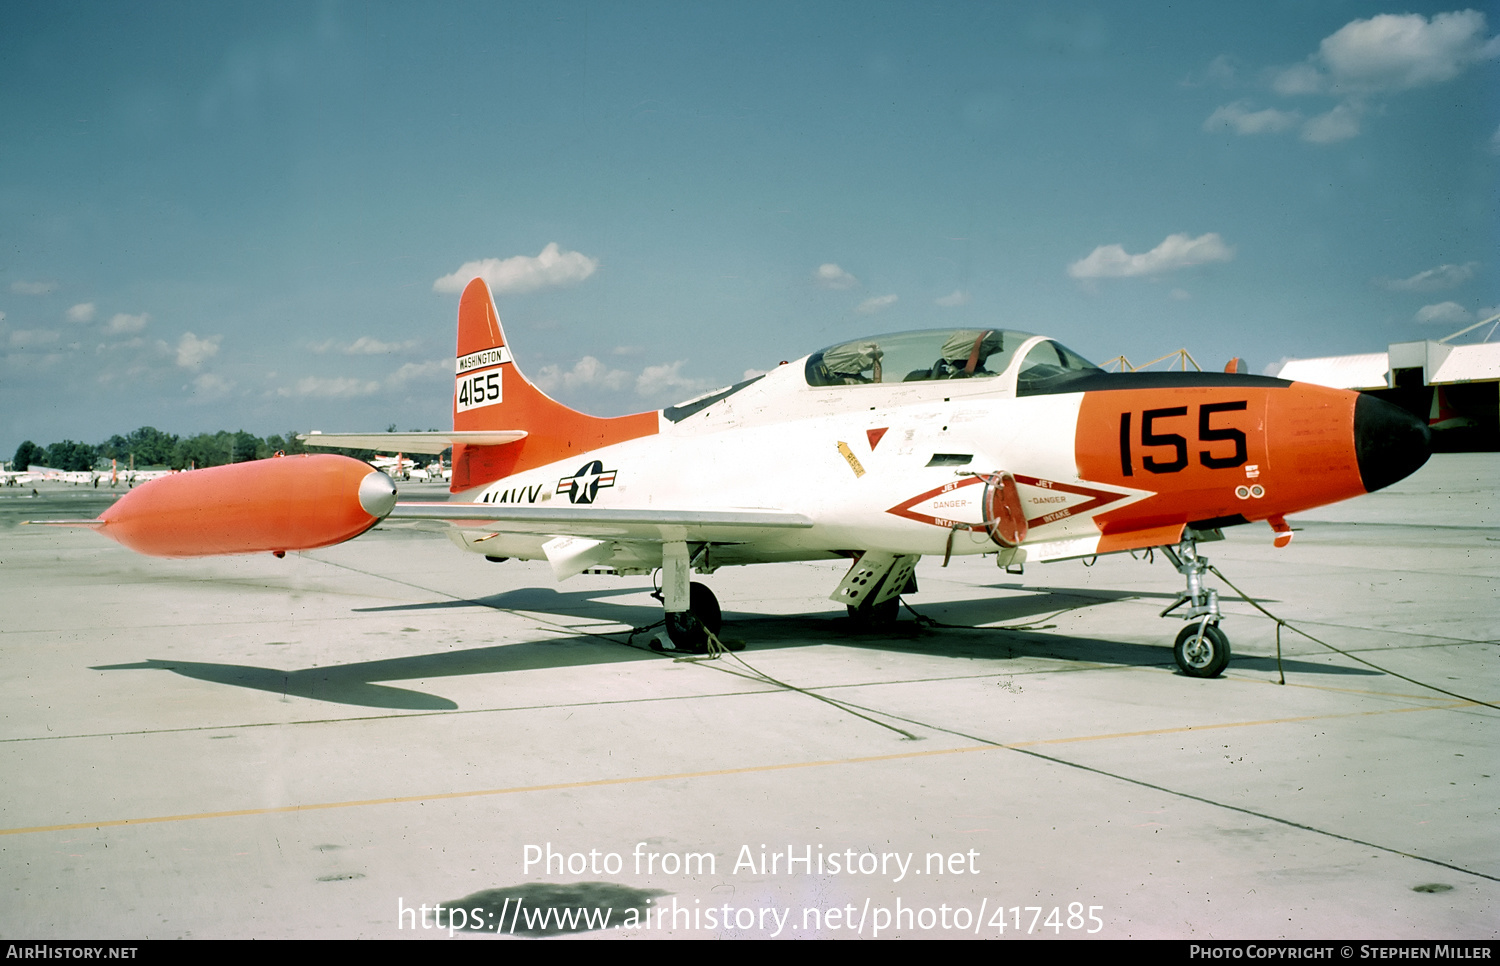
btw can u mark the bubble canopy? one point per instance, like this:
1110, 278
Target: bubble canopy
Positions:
935, 354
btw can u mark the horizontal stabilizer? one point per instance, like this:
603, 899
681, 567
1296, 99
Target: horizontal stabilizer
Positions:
433, 442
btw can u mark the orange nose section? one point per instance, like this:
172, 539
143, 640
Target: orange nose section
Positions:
1333, 444
276, 505
1214, 450
1311, 460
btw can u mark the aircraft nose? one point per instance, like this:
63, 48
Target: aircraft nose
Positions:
1389, 442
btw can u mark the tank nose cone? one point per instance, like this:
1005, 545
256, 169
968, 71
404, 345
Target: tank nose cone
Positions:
1389, 442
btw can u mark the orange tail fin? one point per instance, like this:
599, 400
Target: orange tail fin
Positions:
491, 393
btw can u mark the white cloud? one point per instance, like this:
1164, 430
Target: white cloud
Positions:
657, 381
1366, 58
192, 351
1239, 118
522, 273
1339, 124
362, 346
1495, 142
434, 374
366, 346
212, 386
1180, 295
122, 323
33, 288
1443, 313
830, 275
1433, 279
1177, 251
1298, 79
421, 372
1222, 70
587, 373
31, 338
1391, 52
82, 312
331, 387
875, 304
1272, 368
957, 297
1397, 51
665, 382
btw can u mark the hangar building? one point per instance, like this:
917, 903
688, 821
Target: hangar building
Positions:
1456, 387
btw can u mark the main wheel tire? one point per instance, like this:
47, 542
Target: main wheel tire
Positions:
870, 616
689, 630
1202, 655
705, 606
686, 632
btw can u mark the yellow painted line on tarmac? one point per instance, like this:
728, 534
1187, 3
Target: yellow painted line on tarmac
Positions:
1435, 696
441, 796
1238, 724
715, 773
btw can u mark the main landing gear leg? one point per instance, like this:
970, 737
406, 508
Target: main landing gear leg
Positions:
1202, 649
693, 611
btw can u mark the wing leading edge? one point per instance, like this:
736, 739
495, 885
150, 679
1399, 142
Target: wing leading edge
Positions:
609, 523
576, 540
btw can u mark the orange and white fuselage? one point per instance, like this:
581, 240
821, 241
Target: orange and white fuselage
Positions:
881, 449
1101, 462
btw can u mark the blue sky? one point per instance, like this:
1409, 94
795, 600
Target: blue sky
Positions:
225, 216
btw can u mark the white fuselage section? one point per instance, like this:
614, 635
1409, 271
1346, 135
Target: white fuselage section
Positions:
896, 467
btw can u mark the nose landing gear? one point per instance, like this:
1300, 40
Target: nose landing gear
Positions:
1202, 649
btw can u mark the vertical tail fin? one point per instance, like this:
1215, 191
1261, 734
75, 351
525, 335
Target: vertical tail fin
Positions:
491, 393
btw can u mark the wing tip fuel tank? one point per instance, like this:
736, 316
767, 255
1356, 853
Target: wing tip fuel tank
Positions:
274, 505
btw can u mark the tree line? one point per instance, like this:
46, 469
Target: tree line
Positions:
149, 446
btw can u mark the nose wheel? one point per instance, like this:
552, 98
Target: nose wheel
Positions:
1202, 649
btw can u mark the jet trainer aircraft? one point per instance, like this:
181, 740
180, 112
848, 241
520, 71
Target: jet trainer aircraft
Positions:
880, 450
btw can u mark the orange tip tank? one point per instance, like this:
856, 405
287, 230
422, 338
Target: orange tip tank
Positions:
276, 505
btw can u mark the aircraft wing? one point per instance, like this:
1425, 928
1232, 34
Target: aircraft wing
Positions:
433, 442
648, 524
583, 537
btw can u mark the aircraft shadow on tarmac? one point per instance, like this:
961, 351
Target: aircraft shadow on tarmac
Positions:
1025, 637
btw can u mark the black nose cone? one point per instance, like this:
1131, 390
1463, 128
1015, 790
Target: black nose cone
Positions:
1389, 442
